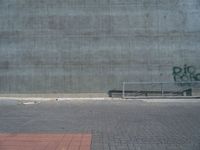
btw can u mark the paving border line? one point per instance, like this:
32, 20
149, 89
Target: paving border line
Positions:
57, 99
145, 99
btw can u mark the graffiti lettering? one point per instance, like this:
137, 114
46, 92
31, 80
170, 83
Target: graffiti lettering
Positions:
185, 74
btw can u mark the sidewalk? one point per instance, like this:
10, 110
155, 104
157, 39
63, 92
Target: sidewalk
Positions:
114, 125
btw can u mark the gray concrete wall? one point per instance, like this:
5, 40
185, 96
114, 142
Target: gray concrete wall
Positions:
73, 46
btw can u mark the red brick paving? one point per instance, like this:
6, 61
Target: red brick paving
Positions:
45, 141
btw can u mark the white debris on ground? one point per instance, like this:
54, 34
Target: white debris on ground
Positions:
31, 103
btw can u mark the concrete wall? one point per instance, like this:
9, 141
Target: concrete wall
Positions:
49, 46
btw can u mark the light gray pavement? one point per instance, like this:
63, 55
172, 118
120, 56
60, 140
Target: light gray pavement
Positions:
115, 125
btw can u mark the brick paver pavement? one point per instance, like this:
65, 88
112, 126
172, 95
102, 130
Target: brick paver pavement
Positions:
45, 141
114, 125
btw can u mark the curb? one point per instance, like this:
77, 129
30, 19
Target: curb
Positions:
56, 99
145, 99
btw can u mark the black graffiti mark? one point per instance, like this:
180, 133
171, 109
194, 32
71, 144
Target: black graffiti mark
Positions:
185, 74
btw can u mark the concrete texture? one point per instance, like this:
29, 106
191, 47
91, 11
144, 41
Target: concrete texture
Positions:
74, 46
114, 125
